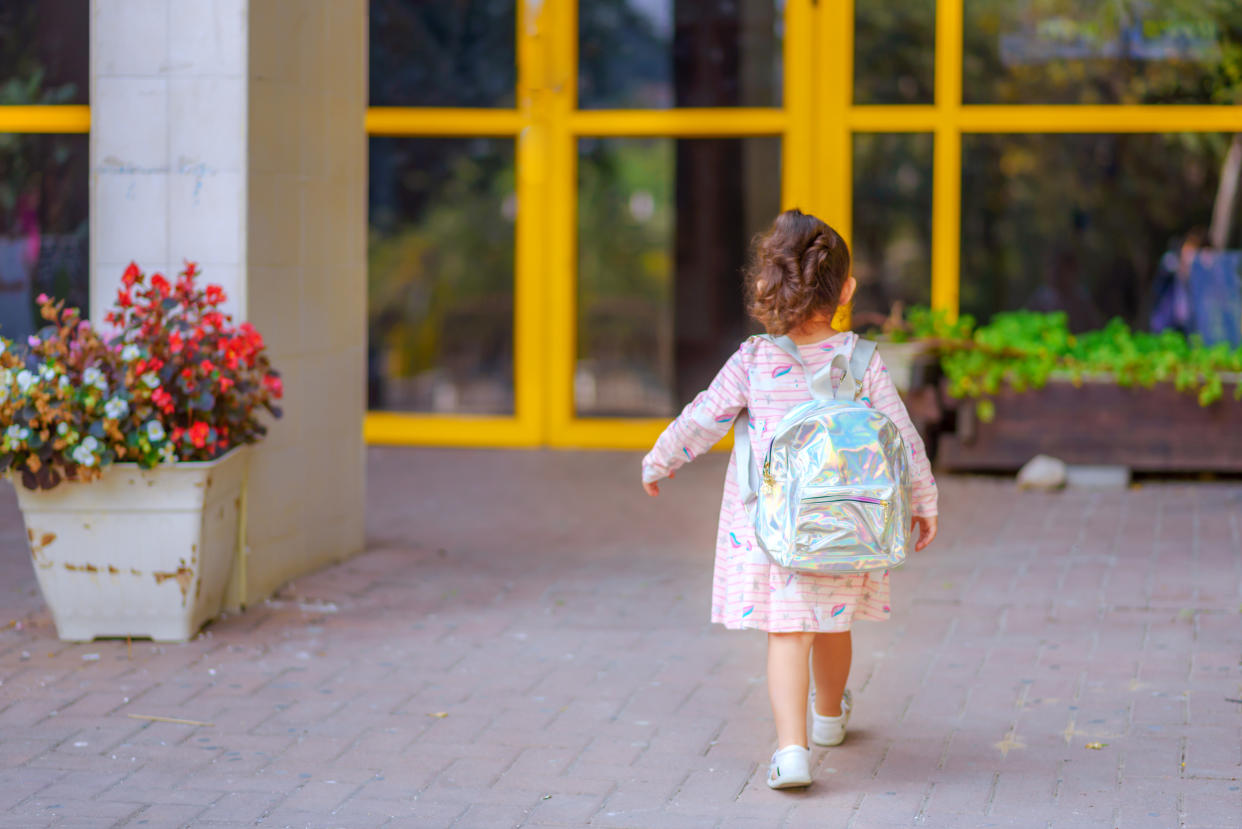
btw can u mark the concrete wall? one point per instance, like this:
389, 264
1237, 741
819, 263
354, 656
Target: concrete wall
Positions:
306, 277
230, 132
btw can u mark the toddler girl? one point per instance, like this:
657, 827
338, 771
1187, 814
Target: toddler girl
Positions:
799, 277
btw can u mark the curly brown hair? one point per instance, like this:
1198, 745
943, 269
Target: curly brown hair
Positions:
799, 267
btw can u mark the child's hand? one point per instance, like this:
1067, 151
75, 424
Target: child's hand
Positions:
927, 525
653, 488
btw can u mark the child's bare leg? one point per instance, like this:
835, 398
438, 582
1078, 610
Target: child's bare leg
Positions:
788, 684
830, 662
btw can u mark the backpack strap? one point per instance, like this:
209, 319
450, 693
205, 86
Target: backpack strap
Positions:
859, 360
747, 474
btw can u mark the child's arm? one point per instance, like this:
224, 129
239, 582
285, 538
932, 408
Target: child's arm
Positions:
879, 389
700, 425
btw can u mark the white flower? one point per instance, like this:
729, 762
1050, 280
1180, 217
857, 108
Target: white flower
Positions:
47, 372
82, 455
90, 444
155, 431
25, 379
4, 345
94, 377
17, 432
167, 453
62, 429
130, 353
116, 408
151, 379
64, 380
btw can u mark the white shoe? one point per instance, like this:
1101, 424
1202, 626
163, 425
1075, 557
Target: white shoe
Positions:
830, 731
791, 766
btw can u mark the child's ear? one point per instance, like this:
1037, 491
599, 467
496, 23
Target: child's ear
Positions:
847, 291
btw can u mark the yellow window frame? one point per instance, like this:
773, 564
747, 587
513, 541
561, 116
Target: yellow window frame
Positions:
816, 124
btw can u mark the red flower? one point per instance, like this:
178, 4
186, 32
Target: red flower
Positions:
163, 400
215, 295
191, 269
273, 383
175, 343
198, 434
123, 298
155, 365
206, 366
131, 274
225, 383
159, 283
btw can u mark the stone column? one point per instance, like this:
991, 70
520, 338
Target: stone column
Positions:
230, 132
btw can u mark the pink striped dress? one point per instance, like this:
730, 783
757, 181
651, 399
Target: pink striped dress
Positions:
748, 590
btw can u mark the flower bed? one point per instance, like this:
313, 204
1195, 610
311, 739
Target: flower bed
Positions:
1025, 385
176, 381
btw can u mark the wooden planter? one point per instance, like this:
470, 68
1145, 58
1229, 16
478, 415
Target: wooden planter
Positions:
1149, 430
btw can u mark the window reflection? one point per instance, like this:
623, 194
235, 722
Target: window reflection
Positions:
43, 227
663, 232
1079, 223
892, 225
44, 46
1102, 52
459, 54
440, 276
679, 53
894, 51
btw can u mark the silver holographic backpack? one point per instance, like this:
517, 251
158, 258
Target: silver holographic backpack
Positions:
833, 496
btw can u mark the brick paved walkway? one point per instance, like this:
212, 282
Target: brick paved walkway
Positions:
525, 644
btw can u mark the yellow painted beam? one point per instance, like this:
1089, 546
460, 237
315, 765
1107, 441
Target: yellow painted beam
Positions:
1033, 118
617, 433
897, 118
535, 21
683, 123
834, 141
401, 429
947, 159
797, 147
45, 119
1071, 118
430, 121
560, 268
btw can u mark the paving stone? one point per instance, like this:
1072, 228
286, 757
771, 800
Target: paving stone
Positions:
567, 648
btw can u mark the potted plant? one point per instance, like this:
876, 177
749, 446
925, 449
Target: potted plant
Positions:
1025, 385
127, 453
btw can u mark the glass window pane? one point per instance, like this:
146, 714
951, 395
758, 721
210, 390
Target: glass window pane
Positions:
894, 51
440, 277
460, 54
1080, 223
1102, 51
43, 227
892, 224
664, 227
688, 53
44, 51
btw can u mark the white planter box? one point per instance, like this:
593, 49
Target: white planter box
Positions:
139, 552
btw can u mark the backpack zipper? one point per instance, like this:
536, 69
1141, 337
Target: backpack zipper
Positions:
828, 499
